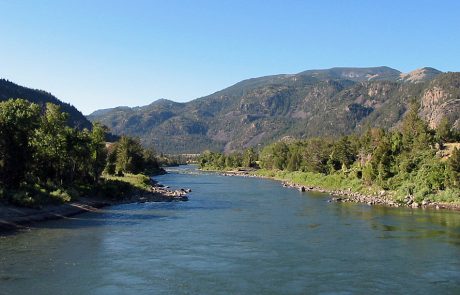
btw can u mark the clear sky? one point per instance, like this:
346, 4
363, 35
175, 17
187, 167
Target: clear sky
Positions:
99, 54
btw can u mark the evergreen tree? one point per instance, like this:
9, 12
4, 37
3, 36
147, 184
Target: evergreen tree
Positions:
415, 132
443, 131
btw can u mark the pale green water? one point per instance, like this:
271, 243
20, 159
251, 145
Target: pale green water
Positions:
237, 236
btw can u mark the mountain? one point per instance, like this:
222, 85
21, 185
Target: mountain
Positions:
10, 90
355, 74
257, 111
420, 75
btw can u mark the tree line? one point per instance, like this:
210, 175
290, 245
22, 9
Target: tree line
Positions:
408, 160
43, 159
218, 161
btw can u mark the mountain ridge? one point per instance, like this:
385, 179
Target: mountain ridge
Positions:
9, 90
257, 111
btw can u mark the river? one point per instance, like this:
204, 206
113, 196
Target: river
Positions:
237, 236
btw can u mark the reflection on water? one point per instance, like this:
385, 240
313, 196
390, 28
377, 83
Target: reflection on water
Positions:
237, 236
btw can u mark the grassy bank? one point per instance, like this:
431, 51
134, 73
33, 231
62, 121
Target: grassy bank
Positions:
140, 181
328, 182
109, 188
342, 182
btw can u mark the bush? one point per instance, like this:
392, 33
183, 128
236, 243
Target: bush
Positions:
60, 196
114, 189
24, 199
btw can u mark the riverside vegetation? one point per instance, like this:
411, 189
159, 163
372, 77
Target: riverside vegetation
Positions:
45, 161
410, 162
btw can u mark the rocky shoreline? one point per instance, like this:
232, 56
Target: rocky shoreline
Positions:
15, 218
348, 196
381, 199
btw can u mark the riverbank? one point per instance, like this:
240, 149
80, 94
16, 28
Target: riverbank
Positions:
15, 218
343, 190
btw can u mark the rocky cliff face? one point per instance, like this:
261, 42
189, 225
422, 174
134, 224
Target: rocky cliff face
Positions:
442, 99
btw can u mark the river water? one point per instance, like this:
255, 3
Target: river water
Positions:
237, 236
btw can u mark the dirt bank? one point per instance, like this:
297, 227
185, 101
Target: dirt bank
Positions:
13, 218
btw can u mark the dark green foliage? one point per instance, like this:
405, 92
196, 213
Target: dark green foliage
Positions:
98, 151
342, 154
40, 154
129, 155
249, 158
150, 164
454, 168
42, 159
444, 131
217, 161
111, 162
415, 131
41, 98
275, 156
18, 121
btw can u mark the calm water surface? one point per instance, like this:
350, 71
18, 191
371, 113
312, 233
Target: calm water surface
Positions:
237, 236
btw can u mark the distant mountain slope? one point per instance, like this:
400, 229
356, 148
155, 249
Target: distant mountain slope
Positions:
10, 90
355, 74
312, 103
420, 75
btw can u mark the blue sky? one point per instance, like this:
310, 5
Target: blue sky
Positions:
99, 54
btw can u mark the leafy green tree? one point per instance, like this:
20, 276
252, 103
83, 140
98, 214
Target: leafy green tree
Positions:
294, 161
280, 153
129, 155
18, 120
98, 151
50, 143
249, 158
111, 162
151, 164
454, 168
79, 163
368, 173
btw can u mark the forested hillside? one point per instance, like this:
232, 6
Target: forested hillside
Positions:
11, 90
255, 112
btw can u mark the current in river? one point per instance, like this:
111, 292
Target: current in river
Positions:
237, 235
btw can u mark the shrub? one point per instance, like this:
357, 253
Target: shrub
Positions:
60, 196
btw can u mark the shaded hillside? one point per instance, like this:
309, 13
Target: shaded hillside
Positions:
10, 90
258, 111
